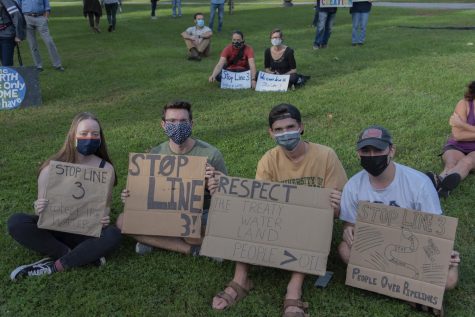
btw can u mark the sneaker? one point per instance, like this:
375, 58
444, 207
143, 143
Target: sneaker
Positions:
449, 183
316, 47
435, 179
110, 28
42, 267
154, 17
142, 248
100, 262
59, 68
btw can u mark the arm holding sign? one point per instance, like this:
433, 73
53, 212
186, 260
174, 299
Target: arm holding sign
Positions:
252, 67
41, 203
217, 69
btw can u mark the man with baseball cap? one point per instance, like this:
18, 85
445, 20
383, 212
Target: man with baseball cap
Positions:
384, 181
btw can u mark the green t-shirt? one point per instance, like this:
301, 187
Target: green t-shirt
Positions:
201, 148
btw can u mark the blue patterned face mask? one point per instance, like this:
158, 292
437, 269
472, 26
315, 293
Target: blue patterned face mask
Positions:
288, 140
87, 146
178, 132
200, 23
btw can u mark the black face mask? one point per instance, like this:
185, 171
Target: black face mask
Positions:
238, 44
375, 165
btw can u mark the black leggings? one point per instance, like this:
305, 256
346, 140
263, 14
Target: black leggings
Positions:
94, 19
71, 249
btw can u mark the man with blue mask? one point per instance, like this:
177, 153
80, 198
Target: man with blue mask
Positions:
177, 123
386, 182
292, 161
198, 38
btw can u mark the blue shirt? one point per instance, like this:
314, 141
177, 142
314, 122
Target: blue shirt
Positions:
34, 6
217, 1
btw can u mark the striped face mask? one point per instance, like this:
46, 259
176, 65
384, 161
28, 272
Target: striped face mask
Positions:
288, 140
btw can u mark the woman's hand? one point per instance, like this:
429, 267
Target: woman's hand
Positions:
40, 205
124, 194
105, 221
455, 121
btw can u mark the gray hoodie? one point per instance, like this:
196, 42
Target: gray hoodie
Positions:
11, 17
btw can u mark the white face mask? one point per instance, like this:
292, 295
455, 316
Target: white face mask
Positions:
276, 41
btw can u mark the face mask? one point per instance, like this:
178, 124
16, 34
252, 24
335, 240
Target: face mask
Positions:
238, 44
288, 140
87, 146
178, 132
375, 165
200, 23
276, 41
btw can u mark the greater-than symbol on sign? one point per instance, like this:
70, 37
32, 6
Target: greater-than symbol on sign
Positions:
290, 255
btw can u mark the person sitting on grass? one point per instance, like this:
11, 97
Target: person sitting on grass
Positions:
292, 161
198, 38
279, 59
389, 183
177, 123
236, 57
85, 144
459, 151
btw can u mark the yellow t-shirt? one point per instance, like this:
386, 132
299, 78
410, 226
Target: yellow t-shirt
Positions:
319, 168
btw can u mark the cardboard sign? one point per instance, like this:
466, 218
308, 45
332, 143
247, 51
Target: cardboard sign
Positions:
235, 80
270, 224
336, 3
166, 195
77, 197
19, 87
401, 253
272, 82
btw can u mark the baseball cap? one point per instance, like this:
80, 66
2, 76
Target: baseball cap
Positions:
284, 111
375, 136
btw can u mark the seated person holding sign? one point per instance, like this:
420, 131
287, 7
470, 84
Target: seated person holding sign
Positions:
293, 161
279, 59
386, 182
236, 57
85, 144
177, 123
198, 38
459, 151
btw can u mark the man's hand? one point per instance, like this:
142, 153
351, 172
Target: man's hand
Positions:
349, 234
124, 194
105, 221
454, 259
335, 200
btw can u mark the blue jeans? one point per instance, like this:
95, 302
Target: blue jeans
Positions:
324, 27
213, 8
176, 4
360, 20
7, 48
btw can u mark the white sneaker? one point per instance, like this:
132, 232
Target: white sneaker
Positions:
154, 17
142, 248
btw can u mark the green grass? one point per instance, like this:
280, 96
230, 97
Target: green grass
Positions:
408, 80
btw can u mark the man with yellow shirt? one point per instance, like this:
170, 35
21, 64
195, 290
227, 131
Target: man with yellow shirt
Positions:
293, 161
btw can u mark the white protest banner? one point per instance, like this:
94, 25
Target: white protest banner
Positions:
77, 198
235, 80
272, 82
270, 224
336, 3
166, 195
401, 253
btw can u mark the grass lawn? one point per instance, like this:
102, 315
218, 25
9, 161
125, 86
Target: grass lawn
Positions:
406, 79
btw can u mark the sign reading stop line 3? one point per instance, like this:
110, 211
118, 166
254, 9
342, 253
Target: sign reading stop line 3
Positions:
77, 198
166, 195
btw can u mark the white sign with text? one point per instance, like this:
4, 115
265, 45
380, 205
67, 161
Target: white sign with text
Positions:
272, 82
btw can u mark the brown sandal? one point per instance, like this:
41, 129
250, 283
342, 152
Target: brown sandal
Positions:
240, 291
295, 303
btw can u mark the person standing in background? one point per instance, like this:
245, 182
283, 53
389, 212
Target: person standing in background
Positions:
216, 5
176, 4
154, 8
111, 11
93, 11
326, 18
11, 31
359, 16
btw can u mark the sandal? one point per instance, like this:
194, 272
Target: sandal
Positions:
295, 303
427, 309
240, 291
435, 179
